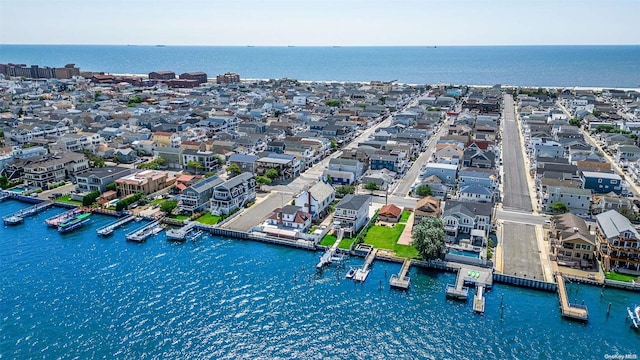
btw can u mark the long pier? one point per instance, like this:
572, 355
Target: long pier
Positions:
363, 272
401, 281
110, 228
19, 216
567, 309
141, 234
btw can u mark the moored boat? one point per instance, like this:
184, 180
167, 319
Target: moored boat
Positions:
634, 315
74, 223
12, 220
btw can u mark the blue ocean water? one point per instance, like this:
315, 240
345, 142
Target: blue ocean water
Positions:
599, 66
80, 296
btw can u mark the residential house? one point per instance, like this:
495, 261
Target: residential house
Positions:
247, 163
390, 213
618, 243
352, 213
197, 197
98, 178
611, 201
602, 182
290, 216
168, 139
479, 159
627, 153
476, 193
447, 173
287, 166
578, 200
233, 194
54, 169
184, 181
147, 182
460, 217
125, 155
428, 206
316, 199
573, 244
207, 159
343, 171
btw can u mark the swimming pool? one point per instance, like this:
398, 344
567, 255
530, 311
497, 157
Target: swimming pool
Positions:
464, 253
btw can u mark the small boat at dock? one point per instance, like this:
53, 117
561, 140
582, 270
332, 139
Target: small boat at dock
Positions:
12, 220
634, 316
74, 223
351, 273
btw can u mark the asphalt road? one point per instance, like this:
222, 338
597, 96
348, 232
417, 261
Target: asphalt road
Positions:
520, 251
404, 185
519, 217
256, 214
516, 188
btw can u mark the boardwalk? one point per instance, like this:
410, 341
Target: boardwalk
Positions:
401, 281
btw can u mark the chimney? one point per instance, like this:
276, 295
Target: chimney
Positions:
309, 200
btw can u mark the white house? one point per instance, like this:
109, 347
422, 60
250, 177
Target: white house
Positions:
316, 200
290, 216
352, 213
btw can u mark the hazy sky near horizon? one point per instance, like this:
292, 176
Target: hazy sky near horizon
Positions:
320, 23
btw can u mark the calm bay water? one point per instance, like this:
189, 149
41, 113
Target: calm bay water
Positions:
603, 66
80, 296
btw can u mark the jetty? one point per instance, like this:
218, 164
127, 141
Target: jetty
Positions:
55, 220
362, 273
141, 234
567, 309
110, 228
18, 217
330, 255
478, 300
401, 280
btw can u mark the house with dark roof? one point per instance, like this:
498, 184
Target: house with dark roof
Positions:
98, 178
247, 163
476, 193
602, 182
618, 243
352, 213
233, 194
460, 217
197, 196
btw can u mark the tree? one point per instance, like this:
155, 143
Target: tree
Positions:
90, 198
423, 190
263, 180
195, 165
168, 206
559, 207
596, 112
628, 213
219, 159
272, 174
334, 144
372, 186
234, 170
111, 186
428, 237
345, 190
332, 103
574, 122
329, 179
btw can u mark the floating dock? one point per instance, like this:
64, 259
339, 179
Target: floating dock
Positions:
55, 220
141, 234
110, 228
181, 234
362, 273
401, 281
480, 277
18, 217
568, 310
478, 300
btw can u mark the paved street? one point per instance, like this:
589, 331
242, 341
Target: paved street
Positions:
404, 185
520, 217
256, 214
520, 251
516, 188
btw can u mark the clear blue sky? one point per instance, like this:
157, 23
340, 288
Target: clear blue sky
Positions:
314, 22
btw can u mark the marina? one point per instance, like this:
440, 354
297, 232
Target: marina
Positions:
144, 232
109, 229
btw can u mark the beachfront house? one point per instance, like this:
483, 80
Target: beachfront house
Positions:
572, 241
460, 217
197, 196
290, 216
98, 178
233, 194
352, 213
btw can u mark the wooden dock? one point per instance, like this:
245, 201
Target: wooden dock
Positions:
141, 234
401, 281
470, 275
30, 211
568, 310
329, 255
363, 272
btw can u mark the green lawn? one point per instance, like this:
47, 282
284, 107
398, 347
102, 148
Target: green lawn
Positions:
345, 243
179, 217
405, 216
67, 200
328, 240
209, 219
158, 201
620, 277
406, 251
383, 237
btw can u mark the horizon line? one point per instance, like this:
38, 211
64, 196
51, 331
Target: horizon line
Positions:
307, 46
